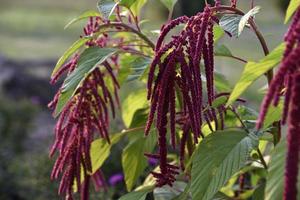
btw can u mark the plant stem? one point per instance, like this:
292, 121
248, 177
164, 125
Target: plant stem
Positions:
261, 157
130, 29
265, 48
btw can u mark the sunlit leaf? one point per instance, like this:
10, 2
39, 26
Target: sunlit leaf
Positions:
244, 20
274, 114
218, 157
135, 101
293, 6
100, 150
88, 61
134, 161
75, 46
127, 3
87, 14
218, 32
254, 70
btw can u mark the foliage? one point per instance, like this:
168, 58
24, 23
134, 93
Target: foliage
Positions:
203, 140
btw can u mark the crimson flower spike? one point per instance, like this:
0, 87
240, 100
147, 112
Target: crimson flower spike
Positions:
289, 65
178, 63
86, 112
84, 115
293, 140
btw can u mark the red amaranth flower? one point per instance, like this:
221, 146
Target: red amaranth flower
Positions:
289, 65
178, 64
293, 140
287, 82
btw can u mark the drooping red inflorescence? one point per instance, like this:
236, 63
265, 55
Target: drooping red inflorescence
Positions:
293, 139
87, 113
287, 83
289, 65
178, 63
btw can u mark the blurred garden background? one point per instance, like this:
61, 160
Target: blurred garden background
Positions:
32, 37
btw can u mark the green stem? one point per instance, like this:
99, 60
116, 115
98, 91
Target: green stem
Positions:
261, 158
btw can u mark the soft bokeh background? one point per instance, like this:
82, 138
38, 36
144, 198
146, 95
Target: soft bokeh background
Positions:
31, 40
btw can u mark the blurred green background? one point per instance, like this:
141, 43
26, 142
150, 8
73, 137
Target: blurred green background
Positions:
32, 37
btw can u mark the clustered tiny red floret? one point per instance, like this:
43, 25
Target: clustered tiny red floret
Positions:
178, 63
287, 82
84, 115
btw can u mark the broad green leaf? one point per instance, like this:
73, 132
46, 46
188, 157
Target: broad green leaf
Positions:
138, 67
100, 150
87, 14
133, 160
259, 192
254, 70
88, 61
127, 3
169, 4
75, 46
135, 101
218, 32
185, 195
221, 196
138, 195
221, 83
137, 6
219, 101
246, 17
230, 23
275, 183
106, 7
293, 6
169, 193
222, 50
217, 158
274, 114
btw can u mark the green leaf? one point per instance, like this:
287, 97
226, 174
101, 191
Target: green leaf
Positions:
255, 70
135, 101
127, 3
222, 50
88, 61
75, 46
217, 158
293, 6
106, 7
219, 101
246, 17
169, 193
275, 183
169, 4
100, 150
87, 14
133, 160
137, 195
138, 67
274, 114
221, 196
221, 83
218, 32
259, 192
185, 195
230, 23
136, 7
